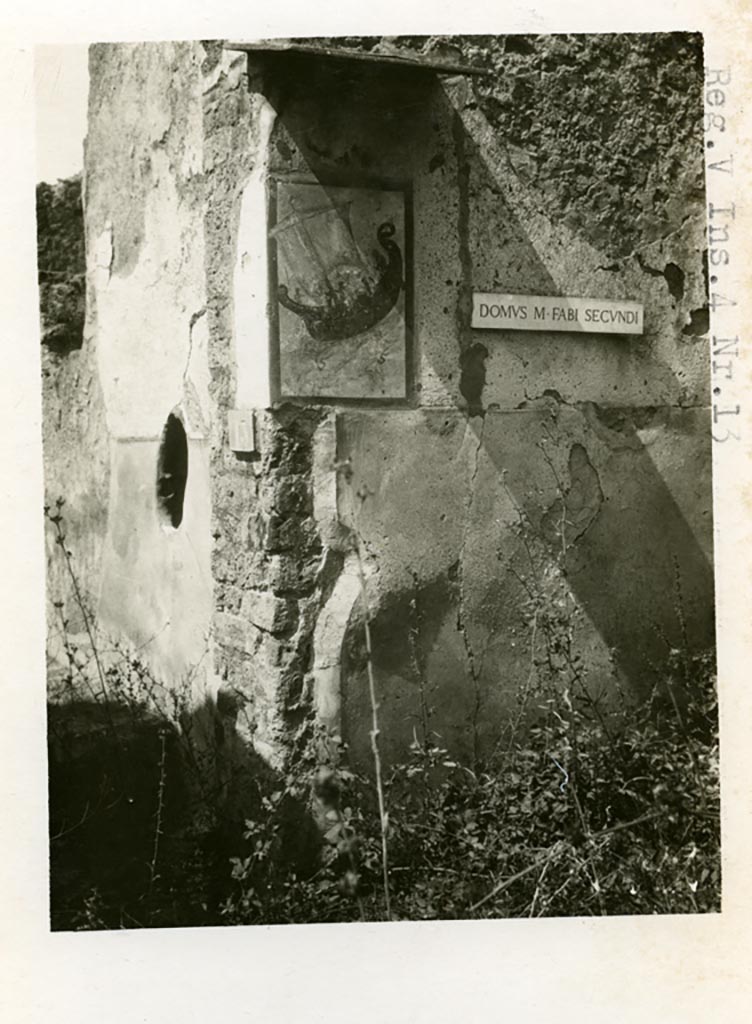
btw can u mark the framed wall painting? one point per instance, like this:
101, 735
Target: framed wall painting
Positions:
339, 294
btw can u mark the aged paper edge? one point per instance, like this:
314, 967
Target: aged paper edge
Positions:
640, 969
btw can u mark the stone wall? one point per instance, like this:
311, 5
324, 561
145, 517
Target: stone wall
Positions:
73, 430
596, 188
270, 568
574, 169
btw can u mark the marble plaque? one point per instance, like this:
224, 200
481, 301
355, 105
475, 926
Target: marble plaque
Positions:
555, 313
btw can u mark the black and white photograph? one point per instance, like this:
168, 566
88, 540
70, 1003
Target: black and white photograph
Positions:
376, 512
377, 416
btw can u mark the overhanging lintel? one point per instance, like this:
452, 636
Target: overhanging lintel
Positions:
403, 60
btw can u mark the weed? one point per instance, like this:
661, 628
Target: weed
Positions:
584, 807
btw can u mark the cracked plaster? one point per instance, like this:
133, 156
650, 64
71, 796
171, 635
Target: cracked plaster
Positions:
179, 310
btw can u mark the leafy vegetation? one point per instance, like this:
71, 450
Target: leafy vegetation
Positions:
587, 806
582, 815
61, 263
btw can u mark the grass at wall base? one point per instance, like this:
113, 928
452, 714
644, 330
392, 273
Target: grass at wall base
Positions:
586, 810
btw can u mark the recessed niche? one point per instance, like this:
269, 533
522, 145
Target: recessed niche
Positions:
172, 472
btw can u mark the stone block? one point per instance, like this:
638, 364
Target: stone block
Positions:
235, 631
267, 611
292, 495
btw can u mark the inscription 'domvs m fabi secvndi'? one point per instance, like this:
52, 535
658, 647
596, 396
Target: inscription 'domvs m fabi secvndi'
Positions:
555, 313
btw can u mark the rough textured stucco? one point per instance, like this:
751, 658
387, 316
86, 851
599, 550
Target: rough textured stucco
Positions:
576, 169
605, 127
625, 416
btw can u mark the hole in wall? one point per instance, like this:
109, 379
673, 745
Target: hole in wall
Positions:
172, 472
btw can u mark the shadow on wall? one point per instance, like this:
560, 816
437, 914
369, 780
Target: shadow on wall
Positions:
144, 816
631, 556
608, 562
633, 562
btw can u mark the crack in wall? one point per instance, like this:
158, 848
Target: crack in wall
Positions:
474, 664
617, 266
583, 498
587, 405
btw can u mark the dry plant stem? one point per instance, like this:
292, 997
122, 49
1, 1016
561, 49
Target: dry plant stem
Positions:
650, 816
547, 901
538, 886
595, 881
383, 819
498, 889
160, 807
71, 659
60, 538
67, 831
57, 521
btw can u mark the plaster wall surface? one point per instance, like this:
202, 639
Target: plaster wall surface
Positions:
472, 515
612, 431
144, 221
575, 169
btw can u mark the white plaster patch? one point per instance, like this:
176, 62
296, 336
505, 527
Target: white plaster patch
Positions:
103, 254
251, 276
325, 478
231, 64
156, 587
192, 161
328, 637
143, 318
